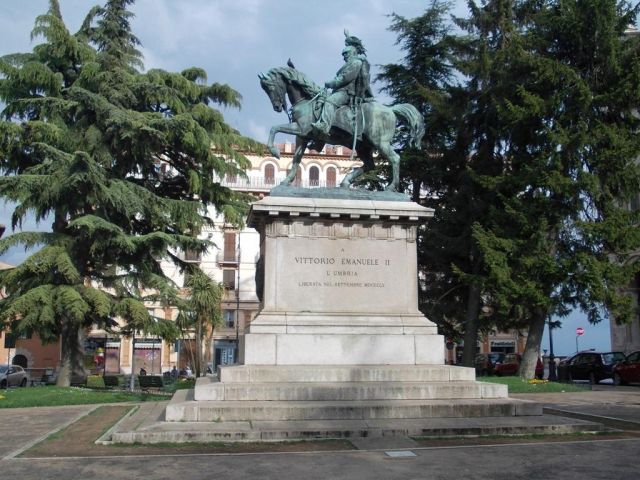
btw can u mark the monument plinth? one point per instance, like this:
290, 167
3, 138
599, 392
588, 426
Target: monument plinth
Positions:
339, 347
339, 285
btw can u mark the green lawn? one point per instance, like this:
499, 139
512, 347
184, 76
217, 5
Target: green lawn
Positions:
50, 396
518, 385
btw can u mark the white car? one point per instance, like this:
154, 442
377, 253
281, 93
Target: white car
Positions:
13, 376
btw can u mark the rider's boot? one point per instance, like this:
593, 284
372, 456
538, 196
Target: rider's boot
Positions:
323, 125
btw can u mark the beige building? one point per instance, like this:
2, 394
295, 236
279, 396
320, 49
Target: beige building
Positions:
231, 261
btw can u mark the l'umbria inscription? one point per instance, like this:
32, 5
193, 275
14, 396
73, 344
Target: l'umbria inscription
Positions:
342, 275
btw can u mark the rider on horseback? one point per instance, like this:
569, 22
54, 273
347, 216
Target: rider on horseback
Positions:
350, 85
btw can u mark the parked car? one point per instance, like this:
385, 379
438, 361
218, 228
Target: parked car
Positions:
591, 366
628, 370
13, 376
511, 363
486, 362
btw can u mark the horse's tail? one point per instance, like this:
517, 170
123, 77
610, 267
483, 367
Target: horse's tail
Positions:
410, 114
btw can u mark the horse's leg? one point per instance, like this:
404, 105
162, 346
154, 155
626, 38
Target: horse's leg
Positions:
351, 176
387, 151
301, 145
290, 128
365, 154
381, 125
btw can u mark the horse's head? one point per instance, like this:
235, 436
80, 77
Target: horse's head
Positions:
272, 83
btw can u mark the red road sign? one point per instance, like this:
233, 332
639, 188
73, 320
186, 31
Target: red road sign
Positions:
579, 331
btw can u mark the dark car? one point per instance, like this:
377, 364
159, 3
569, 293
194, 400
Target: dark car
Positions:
591, 366
627, 371
511, 363
486, 362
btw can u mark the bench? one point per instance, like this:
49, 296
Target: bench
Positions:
148, 382
111, 381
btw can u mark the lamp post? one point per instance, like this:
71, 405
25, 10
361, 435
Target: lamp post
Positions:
552, 359
237, 349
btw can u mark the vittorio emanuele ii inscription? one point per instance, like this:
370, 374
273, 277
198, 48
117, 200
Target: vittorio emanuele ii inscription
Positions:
342, 275
343, 272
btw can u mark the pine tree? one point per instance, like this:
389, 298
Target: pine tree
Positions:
531, 191
560, 239
428, 78
83, 140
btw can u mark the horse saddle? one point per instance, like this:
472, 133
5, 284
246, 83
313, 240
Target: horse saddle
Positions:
347, 118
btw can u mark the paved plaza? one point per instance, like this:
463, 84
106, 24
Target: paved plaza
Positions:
571, 459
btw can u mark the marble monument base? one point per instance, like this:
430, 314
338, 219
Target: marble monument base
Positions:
340, 285
339, 347
341, 339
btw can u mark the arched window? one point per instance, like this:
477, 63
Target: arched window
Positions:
314, 176
269, 174
331, 177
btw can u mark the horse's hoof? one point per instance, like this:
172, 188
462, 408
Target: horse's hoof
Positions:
275, 152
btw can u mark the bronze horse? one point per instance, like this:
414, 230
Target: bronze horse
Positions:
374, 124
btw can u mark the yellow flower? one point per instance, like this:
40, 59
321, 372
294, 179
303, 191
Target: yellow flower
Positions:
535, 381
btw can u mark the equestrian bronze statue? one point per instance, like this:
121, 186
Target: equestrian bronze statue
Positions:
347, 116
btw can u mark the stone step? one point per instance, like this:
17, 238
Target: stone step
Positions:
337, 391
341, 373
350, 429
221, 411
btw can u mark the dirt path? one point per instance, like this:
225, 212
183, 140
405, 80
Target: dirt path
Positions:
78, 439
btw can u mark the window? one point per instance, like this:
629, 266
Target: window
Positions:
331, 177
231, 178
229, 317
314, 176
269, 174
229, 279
191, 255
229, 246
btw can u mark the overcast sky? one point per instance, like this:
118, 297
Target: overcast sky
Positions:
234, 40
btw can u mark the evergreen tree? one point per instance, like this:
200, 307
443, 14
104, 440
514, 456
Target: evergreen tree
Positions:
561, 235
531, 184
83, 140
428, 79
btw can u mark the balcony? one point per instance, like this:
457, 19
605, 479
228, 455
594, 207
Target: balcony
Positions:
190, 256
228, 258
264, 184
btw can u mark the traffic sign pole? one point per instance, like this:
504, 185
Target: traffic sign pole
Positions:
579, 333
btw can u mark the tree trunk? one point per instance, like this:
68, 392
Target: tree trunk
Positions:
72, 355
198, 364
207, 347
532, 348
471, 326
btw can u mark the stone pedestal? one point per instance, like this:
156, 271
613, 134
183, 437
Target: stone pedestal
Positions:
339, 347
339, 285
